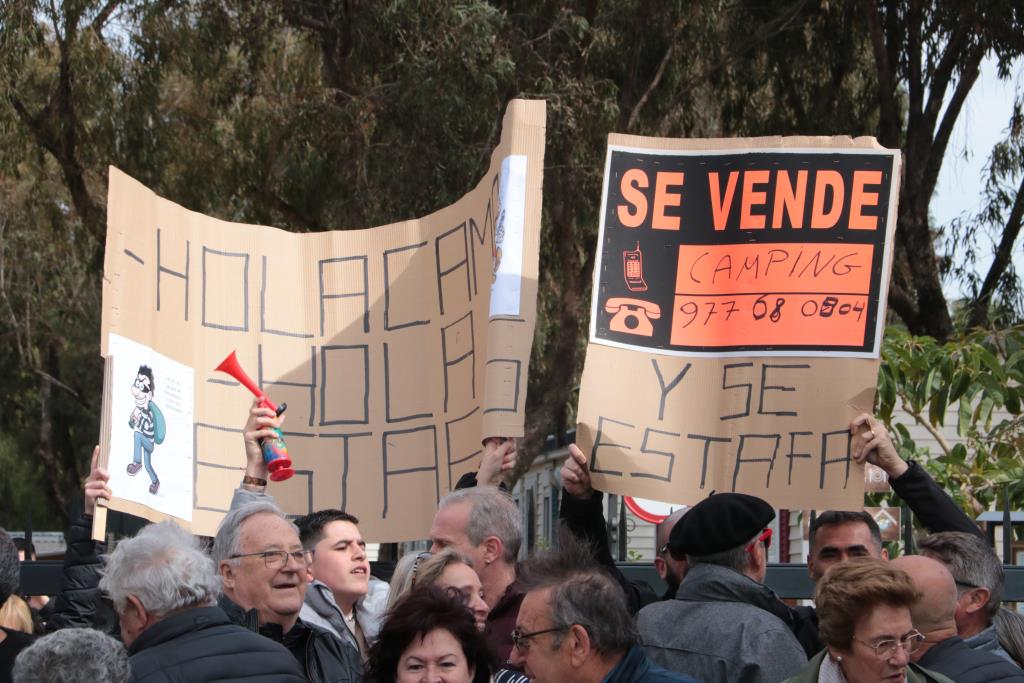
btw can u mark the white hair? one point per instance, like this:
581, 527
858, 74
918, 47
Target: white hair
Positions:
226, 542
164, 567
72, 655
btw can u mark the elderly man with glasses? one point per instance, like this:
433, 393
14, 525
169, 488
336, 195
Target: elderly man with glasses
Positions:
724, 624
934, 615
164, 589
573, 624
264, 574
979, 577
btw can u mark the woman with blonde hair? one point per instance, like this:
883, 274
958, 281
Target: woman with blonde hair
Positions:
16, 615
447, 569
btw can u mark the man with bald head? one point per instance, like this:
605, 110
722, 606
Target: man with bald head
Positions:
670, 569
934, 615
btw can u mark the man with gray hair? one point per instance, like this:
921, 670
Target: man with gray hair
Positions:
979, 580
264, 572
942, 650
724, 623
483, 523
164, 589
73, 654
11, 642
574, 625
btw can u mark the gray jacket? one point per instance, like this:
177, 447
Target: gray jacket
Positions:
321, 609
988, 641
722, 627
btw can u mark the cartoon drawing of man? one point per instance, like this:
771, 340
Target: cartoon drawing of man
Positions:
148, 423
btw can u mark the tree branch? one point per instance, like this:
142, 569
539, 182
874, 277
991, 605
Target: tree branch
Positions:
100, 20
915, 82
903, 304
889, 124
1003, 255
658, 75
936, 434
937, 150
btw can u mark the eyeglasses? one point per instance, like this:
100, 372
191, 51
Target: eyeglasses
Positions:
884, 649
663, 549
416, 565
765, 537
966, 585
521, 641
275, 559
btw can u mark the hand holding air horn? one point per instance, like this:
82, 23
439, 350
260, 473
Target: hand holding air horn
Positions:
275, 452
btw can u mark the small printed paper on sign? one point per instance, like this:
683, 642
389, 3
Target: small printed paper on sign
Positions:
151, 436
508, 239
744, 252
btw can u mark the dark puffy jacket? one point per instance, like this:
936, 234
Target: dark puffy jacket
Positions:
324, 658
76, 604
636, 667
956, 660
201, 645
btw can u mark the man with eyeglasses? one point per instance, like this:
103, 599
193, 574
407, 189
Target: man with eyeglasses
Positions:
979, 576
573, 625
264, 573
934, 615
724, 624
164, 588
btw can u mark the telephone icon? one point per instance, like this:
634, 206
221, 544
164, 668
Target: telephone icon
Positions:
632, 316
633, 269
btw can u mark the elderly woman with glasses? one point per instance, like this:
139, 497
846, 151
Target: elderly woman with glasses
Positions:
864, 621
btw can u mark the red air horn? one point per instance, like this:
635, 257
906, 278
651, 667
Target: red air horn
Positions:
275, 452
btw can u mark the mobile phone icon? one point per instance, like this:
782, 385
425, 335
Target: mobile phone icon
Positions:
633, 269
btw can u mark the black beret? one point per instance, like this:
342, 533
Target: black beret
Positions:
718, 523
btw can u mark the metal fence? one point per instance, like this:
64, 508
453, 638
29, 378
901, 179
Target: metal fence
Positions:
788, 580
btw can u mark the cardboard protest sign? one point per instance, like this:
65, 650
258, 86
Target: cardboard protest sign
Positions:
738, 307
397, 349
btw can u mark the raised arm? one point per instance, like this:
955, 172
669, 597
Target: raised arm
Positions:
872, 443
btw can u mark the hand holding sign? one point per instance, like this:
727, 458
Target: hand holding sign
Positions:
575, 475
96, 484
499, 457
873, 444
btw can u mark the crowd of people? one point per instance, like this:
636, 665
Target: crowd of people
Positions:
277, 599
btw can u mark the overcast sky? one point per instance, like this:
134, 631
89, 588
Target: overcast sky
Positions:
982, 123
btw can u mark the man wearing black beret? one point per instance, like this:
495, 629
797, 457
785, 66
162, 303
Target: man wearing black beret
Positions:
725, 624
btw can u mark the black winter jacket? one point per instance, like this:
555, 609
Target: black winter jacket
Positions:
201, 645
954, 659
76, 604
584, 520
324, 658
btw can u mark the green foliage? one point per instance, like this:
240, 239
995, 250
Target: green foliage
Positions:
318, 114
981, 376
